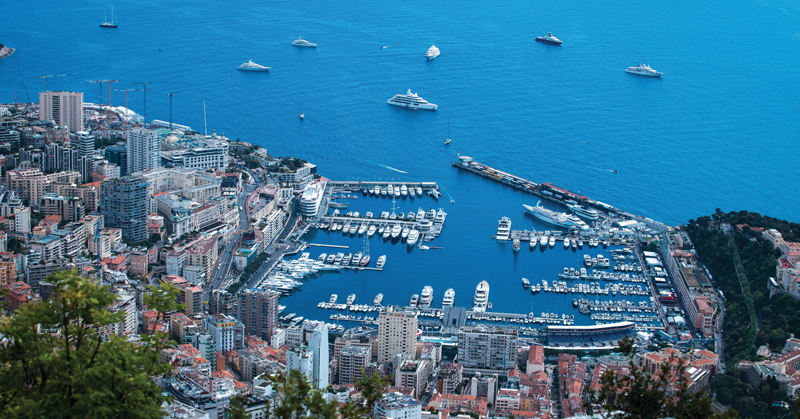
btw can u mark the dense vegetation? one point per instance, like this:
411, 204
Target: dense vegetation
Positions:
733, 389
59, 362
741, 264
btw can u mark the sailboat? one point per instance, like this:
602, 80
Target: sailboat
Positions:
448, 140
106, 23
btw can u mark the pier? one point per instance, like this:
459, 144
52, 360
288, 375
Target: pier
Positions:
328, 245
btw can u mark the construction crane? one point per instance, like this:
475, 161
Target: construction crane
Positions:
26, 91
144, 89
170, 109
47, 78
127, 117
100, 82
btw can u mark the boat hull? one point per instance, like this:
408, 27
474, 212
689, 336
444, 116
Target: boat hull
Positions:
548, 42
656, 75
425, 106
545, 218
108, 25
263, 70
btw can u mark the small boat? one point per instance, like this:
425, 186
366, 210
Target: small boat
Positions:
516, 244
533, 243
403, 190
526, 283
414, 300
419, 190
432, 53
364, 261
381, 262
351, 298
378, 299
549, 39
566, 243
302, 116
423, 247
251, 66
300, 42
447, 141
333, 299
552, 241
543, 241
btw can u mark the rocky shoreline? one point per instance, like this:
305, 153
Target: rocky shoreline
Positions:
6, 52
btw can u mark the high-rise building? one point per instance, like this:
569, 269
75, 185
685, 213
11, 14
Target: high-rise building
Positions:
83, 142
125, 204
318, 344
397, 334
118, 154
258, 310
227, 331
65, 108
482, 348
144, 150
301, 359
353, 361
22, 220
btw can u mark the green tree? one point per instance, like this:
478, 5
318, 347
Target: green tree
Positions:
237, 409
60, 360
163, 299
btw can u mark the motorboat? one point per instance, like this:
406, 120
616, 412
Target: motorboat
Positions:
566, 243
449, 298
552, 241
300, 42
396, 230
403, 190
405, 232
481, 299
412, 101
251, 66
526, 283
533, 242
351, 298
503, 229
364, 261
432, 53
414, 300
322, 257
426, 298
356, 259
362, 229
333, 299
371, 231
549, 39
378, 299
643, 70
543, 241
419, 190
413, 236
381, 261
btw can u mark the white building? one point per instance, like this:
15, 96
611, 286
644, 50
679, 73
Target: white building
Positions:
398, 406
143, 146
299, 178
318, 345
301, 359
175, 261
212, 154
22, 221
224, 331
311, 199
397, 334
65, 108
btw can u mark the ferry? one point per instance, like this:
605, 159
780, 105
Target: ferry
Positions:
585, 213
426, 298
643, 70
432, 53
378, 300
414, 300
333, 299
556, 218
481, 300
364, 261
526, 283
449, 298
381, 262
351, 298
300, 42
549, 39
412, 101
251, 66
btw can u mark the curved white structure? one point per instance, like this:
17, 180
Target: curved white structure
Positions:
311, 199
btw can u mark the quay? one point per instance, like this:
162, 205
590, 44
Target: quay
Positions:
547, 191
328, 245
359, 184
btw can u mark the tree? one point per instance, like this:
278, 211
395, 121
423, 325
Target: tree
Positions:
61, 360
163, 299
237, 409
639, 394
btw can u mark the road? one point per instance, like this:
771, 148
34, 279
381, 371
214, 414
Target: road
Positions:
278, 248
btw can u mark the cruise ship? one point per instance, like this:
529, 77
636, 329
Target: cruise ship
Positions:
481, 300
583, 212
643, 70
251, 66
426, 298
412, 101
549, 39
449, 298
432, 53
311, 199
300, 42
556, 218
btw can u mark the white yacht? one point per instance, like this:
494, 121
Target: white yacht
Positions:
643, 70
387, 232
333, 299
418, 190
397, 192
384, 191
378, 300
440, 216
300, 42
405, 232
420, 214
356, 259
566, 243
251, 66
481, 300
560, 219
390, 189
371, 231
503, 228
449, 298
351, 298
362, 229
381, 262
583, 212
412, 101
432, 53
403, 190
384, 214
413, 236
426, 298
396, 230
533, 242
552, 241
543, 241
414, 300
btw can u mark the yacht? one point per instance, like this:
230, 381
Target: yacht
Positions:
481, 300
371, 231
526, 283
549, 39
431, 214
432, 53
331, 258
390, 189
412, 101
364, 261
251, 66
426, 298
418, 190
405, 232
362, 229
384, 214
404, 190
339, 257
356, 259
378, 300
643, 70
414, 300
300, 42
566, 243
413, 236
583, 212
401, 216
387, 232
353, 228
552, 241
533, 242
449, 298
381, 262
351, 298
516, 245
384, 191
420, 214
112, 23
333, 299
396, 230
322, 257
557, 218
397, 192
543, 241
440, 216
346, 259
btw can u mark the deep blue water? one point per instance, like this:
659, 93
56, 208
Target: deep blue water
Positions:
719, 130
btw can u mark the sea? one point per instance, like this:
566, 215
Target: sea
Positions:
719, 130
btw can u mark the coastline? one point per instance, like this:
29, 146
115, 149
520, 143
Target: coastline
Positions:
6, 52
